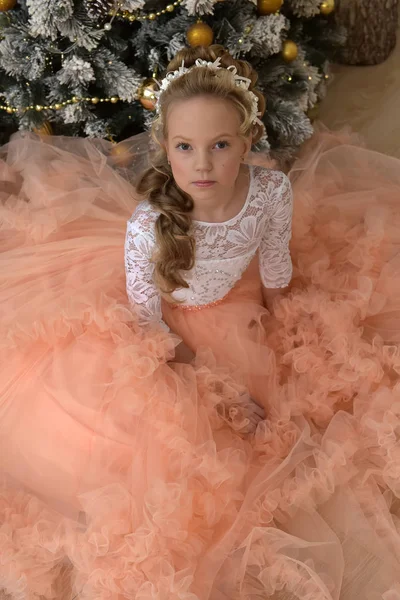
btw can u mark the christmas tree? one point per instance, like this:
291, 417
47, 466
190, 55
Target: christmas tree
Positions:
89, 67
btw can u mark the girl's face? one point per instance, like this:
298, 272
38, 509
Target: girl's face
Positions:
204, 147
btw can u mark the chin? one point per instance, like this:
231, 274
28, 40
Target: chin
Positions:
199, 192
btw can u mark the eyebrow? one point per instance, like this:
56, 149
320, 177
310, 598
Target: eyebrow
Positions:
217, 137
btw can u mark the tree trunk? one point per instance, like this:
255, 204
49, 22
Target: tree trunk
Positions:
371, 27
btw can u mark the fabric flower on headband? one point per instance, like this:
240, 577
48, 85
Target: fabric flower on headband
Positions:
242, 82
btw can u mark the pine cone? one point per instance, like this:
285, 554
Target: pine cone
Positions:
98, 10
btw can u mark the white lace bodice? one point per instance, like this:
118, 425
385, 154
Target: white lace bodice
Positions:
223, 250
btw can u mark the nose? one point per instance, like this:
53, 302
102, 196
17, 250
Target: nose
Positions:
203, 161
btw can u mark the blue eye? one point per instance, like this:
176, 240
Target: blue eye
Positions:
183, 146
222, 145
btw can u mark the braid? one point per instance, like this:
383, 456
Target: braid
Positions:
175, 245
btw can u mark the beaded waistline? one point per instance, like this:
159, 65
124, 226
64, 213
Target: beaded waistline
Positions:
188, 307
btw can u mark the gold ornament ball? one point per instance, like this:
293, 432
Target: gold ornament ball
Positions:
200, 34
146, 94
268, 7
121, 154
7, 5
327, 7
44, 129
290, 50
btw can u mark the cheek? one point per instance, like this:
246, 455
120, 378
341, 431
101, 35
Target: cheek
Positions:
180, 172
231, 166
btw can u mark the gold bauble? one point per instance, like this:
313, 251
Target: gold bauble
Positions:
290, 50
7, 5
44, 129
146, 94
200, 34
327, 7
121, 155
268, 7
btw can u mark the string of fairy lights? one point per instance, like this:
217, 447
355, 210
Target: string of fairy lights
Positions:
59, 105
198, 34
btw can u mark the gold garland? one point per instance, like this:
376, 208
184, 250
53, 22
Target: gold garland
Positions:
149, 17
59, 105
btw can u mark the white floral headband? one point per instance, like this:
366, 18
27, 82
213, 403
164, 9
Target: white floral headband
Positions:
240, 81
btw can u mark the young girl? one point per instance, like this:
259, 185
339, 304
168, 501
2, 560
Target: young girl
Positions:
207, 216
213, 437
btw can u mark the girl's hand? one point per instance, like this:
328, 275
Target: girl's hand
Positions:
242, 415
271, 294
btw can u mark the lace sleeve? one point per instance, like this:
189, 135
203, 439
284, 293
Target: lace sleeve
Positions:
274, 253
142, 292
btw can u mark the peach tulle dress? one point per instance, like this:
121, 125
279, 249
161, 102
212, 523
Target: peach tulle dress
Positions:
119, 479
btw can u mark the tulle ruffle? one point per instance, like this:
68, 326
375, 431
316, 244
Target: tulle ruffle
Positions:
120, 475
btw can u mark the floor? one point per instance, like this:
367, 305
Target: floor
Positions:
368, 100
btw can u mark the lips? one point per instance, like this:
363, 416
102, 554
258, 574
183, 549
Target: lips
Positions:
204, 183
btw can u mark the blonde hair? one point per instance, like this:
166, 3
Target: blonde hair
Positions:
175, 244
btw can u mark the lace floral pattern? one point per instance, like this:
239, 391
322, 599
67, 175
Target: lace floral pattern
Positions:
223, 250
